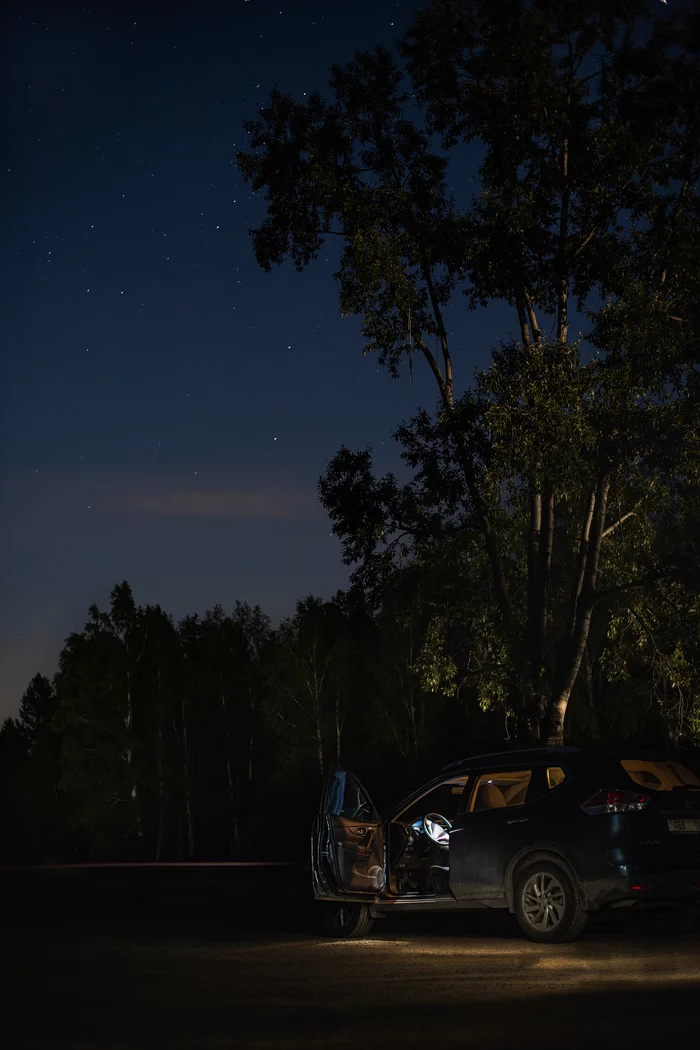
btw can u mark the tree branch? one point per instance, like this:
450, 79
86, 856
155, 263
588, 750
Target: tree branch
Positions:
534, 543
544, 561
440, 379
563, 276
437, 313
611, 528
581, 559
621, 588
572, 656
536, 332
522, 320
498, 571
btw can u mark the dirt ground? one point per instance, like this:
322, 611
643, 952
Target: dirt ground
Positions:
237, 960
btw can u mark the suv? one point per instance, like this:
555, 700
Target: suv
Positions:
551, 834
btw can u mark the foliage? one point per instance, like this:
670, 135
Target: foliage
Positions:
229, 716
586, 116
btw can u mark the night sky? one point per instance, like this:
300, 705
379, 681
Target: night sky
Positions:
166, 406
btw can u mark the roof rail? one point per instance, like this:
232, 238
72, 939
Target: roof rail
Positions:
557, 749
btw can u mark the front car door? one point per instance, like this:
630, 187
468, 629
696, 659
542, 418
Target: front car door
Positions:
493, 826
347, 841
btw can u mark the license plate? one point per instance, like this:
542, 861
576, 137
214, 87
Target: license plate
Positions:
683, 825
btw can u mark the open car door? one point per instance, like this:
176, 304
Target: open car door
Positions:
347, 841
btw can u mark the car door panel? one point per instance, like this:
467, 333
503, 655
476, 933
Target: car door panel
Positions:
357, 853
481, 846
483, 841
347, 842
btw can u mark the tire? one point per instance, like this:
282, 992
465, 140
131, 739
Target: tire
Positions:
563, 915
342, 919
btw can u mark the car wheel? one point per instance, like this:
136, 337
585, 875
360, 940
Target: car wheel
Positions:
343, 919
548, 903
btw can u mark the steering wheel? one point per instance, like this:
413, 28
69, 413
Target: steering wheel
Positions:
437, 828
363, 811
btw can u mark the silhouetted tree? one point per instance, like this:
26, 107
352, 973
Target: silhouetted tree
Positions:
306, 688
36, 708
98, 717
586, 116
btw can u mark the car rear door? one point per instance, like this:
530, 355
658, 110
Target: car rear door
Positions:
673, 813
347, 841
492, 828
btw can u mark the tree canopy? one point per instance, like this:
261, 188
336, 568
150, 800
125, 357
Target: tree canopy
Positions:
571, 458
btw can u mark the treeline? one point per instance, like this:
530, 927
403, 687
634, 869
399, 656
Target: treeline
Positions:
209, 738
203, 739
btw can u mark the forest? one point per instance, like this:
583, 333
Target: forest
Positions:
164, 741
532, 573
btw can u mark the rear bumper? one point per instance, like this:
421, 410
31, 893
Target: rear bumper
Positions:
670, 887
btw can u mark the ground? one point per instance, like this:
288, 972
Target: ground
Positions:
216, 961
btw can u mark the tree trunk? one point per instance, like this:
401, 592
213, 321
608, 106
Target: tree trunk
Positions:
232, 817
555, 720
410, 701
128, 724
159, 833
186, 764
572, 657
337, 727
316, 701
319, 740
236, 811
251, 734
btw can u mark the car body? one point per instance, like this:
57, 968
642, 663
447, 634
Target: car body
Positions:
548, 833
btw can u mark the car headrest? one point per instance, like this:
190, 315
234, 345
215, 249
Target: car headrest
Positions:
492, 797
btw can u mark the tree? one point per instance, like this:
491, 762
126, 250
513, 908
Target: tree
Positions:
36, 708
99, 719
17, 840
587, 117
159, 698
230, 683
219, 723
183, 720
307, 688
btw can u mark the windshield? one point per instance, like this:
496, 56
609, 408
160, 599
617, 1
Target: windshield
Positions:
659, 776
443, 799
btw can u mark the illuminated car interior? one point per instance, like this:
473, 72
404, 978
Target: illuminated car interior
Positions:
659, 776
419, 847
497, 790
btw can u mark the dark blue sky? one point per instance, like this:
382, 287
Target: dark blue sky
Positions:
166, 406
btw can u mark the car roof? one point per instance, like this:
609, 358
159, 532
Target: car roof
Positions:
531, 754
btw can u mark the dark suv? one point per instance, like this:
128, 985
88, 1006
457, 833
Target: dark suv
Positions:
551, 834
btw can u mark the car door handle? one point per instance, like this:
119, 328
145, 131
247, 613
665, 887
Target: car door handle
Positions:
359, 831
518, 820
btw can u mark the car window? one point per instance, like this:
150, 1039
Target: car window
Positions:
444, 799
555, 776
659, 776
347, 798
497, 790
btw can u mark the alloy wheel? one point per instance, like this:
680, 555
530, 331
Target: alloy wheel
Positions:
543, 901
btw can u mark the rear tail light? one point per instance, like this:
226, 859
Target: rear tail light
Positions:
614, 800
